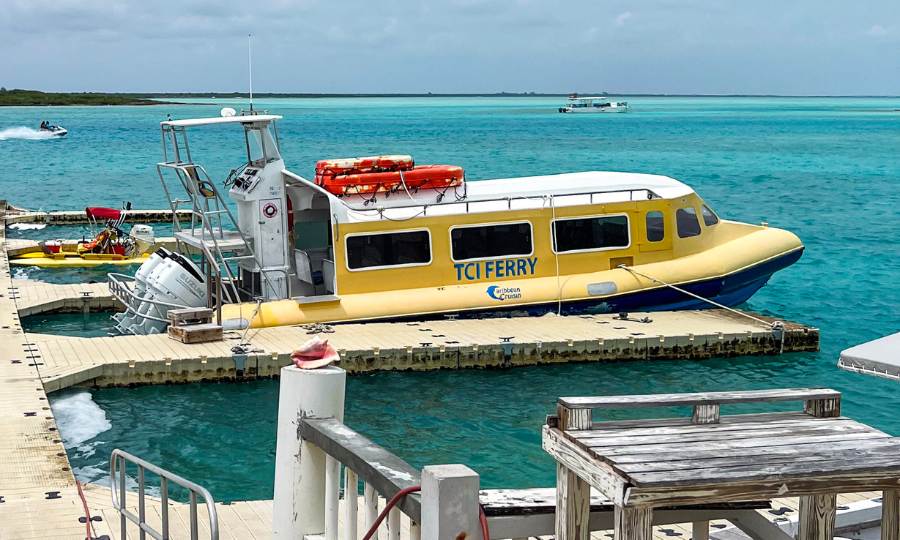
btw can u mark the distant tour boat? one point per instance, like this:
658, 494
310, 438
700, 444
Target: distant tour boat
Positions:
593, 104
368, 240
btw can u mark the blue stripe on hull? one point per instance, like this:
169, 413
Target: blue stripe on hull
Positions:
730, 290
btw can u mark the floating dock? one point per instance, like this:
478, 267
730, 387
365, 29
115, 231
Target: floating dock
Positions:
440, 344
74, 217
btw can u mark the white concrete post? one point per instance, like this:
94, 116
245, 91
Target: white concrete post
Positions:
450, 503
299, 501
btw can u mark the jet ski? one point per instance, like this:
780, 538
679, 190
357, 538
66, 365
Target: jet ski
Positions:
111, 245
54, 130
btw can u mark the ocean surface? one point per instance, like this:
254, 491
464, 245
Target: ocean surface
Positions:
827, 169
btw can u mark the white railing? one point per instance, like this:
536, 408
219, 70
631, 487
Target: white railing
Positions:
314, 445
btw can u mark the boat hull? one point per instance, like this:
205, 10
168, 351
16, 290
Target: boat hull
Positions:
74, 261
729, 289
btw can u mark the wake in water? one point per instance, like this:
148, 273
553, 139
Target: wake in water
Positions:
22, 132
79, 420
28, 226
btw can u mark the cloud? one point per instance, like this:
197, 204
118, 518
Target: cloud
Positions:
622, 18
877, 30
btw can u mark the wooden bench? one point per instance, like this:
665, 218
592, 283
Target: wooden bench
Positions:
646, 465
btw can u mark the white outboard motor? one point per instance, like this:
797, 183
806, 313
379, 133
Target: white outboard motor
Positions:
143, 238
173, 280
125, 319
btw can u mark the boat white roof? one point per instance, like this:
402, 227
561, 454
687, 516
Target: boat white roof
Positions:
567, 189
880, 357
237, 119
590, 97
577, 182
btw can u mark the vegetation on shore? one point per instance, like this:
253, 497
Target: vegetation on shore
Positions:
17, 97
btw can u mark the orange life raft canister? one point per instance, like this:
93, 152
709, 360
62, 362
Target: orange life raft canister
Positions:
368, 175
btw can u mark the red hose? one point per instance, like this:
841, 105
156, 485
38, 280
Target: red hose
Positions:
387, 508
88, 524
482, 517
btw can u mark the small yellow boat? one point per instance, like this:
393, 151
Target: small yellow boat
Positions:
111, 246
71, 259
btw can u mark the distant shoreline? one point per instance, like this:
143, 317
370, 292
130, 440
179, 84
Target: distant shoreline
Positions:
35, 98
17, 97
239, 95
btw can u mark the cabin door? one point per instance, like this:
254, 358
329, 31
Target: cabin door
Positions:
313, 248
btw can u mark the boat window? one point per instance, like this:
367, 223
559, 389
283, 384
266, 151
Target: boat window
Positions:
656, 226
584, 234
687, 223
490, 241
261, 146
388, 249
709, 217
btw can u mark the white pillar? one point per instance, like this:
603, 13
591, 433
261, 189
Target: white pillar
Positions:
299, 505
450, 504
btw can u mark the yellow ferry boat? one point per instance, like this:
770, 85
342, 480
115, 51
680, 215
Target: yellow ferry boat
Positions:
577, 242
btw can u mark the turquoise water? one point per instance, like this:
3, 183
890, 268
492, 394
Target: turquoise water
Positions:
827, 169
69, 324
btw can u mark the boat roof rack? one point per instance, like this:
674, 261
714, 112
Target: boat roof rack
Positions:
237, 119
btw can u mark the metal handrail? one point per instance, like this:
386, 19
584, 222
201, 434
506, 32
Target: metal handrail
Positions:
118, 492
118, 288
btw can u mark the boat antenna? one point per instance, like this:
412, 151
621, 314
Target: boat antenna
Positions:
250, 66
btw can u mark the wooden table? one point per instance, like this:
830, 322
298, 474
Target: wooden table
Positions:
641, 465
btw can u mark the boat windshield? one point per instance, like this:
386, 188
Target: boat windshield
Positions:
262, 145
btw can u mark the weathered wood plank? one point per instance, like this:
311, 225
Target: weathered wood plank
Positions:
573, 511
814, 427
533, 501
790, 454
890, 515
743, 491
740, 443
824, 408
801, 449
697, 398
707, 413
633, 523
886, 464
598, 474
612, 425
725, 424
817, 514
379, 468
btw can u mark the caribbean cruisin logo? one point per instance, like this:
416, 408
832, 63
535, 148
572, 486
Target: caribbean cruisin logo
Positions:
504, 293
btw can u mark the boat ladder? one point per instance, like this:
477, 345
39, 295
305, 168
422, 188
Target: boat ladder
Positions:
119, 461
213, 230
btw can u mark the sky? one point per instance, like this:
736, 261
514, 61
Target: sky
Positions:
790, 47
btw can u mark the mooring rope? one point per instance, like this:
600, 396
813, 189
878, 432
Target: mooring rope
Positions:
776, 326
